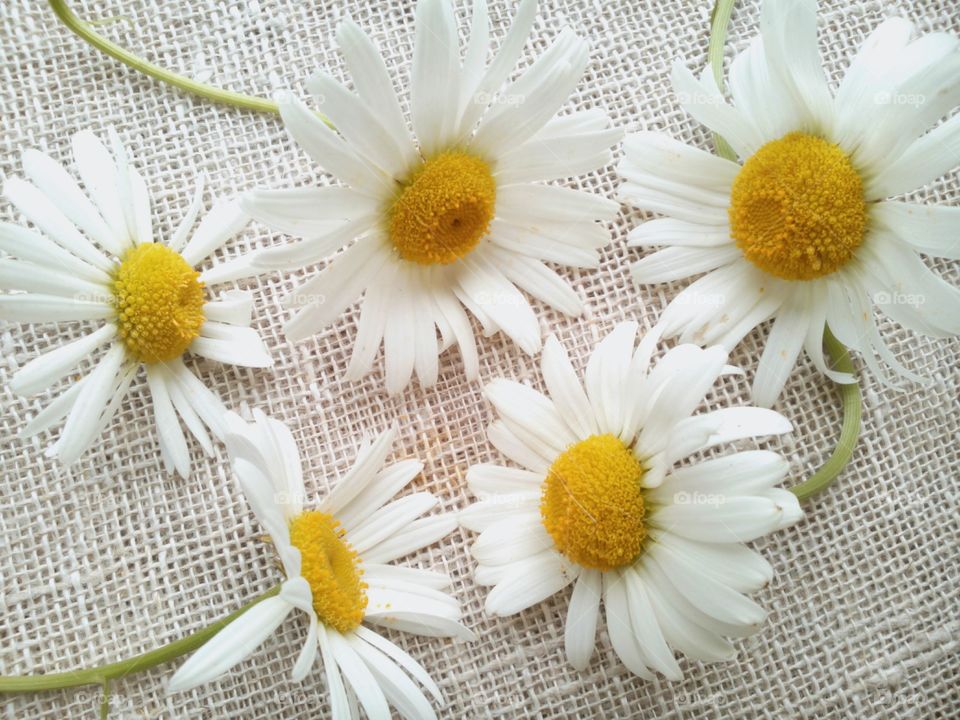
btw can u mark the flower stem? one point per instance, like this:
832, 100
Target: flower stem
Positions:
719, 22
849, 431
103, 674
85, 30
849, 393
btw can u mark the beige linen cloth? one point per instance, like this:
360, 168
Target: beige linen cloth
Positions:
111, 557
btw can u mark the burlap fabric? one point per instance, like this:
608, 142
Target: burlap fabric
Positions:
111, 557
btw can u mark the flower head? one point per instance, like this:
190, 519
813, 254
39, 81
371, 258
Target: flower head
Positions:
455, 216
337, 558
95, 258
799, 228
599, 503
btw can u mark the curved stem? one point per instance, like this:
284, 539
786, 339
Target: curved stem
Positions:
86, 31
138, 663
719, 22
849, 431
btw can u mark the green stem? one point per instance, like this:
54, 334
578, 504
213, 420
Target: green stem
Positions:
103, 674
850, 393
849, 431
719, 22
85, 30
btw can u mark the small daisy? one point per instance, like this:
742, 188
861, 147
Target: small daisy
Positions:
799, 229
337, 561
598, 503
152, 306
452, 217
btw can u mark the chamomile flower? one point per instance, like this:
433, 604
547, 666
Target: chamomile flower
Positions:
97, 260
453, 217
598, 503
337, 559
799, 229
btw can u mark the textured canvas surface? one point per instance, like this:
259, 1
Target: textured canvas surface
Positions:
111, 557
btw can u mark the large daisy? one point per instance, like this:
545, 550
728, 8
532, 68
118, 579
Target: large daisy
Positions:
337, 561
97, 260
598, 502
799, 228
452, 217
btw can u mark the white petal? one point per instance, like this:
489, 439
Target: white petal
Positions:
388, 482
525, 202
390, 519
234, 307
231, 645
333, 212
224, 220
606, 377
41, 372
184, 407
781, 351
417, 535
81, 426
434, 79
557, 157
529, 583
513, 538
374, 312
522, 405
488, 479
327, 148
32, 308
453, 313
56, 182
736, 519
207, 405
231, 345
482, 514
41, 211
98, 171
402, 659
930, 229
580, 630
647, 630
54, 412
660, 155
926, 159
535, 278
566, 391
675, 263
620, 626
171, 436
706, 104
373, 83
340, 708
368, 463
28, 245
396, 686
360, 127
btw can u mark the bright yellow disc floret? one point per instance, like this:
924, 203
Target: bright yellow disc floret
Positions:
159, 302
592, 503
330, 566
797, 209
443, 210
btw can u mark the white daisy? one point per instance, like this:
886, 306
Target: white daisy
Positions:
337, 560
599, 503
453, 217
149, 301
800, 229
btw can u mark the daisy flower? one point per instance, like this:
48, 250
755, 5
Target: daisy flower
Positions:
97, 260
452, 217
799, 228
337, 561
599, 503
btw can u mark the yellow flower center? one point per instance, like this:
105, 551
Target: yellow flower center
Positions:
592, 503
797, 209
331, 567
443, 210
159, 302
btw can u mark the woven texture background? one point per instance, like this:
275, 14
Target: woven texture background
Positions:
112, 557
